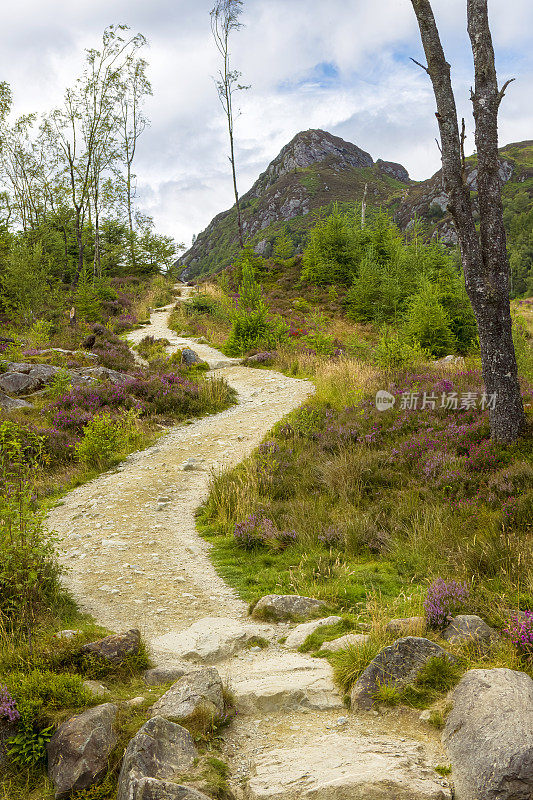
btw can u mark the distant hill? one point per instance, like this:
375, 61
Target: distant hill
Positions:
317, 169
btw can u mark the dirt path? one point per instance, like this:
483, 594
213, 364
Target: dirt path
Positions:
129, 538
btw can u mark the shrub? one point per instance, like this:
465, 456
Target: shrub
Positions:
256, 531
29, 571
107, 438
8, 706
520, 632
427, 324
443, 600
394, 352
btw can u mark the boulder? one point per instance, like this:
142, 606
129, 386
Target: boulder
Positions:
78, 751
407, 626
287, 607
297, 637
43, 372
211, 639
18, 383
489, 736
196, 699
469, 628
339, 766
398, 664
18, 366
10, 403
152, 789
189, 357
160, 750
115, 648
159, 675
281, 681
348, 640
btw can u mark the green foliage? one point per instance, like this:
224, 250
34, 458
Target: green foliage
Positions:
107, 438
28, 568
283, 246
60, 383
427, 323
24, 284
523, 346
39, 695
252, 327
333, 252
393, 351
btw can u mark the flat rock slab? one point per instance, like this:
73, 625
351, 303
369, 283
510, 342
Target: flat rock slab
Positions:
489, 735
160, 750
11, 403
297, 637
152, 789
210, 640
338, 767
348, 640
397, 665
277, 681
287, 608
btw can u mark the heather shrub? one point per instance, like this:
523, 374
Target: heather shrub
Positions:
60, 384
8, 706
107, 438
152, 349
259, 531
520, 632
443, 600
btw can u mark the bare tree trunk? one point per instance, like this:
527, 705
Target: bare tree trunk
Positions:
484, 255
130, 218
234, 175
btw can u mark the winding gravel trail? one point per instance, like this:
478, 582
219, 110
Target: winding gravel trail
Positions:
128, 537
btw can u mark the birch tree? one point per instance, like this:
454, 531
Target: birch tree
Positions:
484, 252
224, 20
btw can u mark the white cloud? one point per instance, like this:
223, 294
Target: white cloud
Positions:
378, 98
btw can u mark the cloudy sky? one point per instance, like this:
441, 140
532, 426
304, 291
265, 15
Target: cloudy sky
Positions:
340, 65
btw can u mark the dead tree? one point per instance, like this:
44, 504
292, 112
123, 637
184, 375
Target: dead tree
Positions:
484, 253
224, 20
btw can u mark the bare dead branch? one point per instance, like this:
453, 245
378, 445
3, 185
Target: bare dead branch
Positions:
420, 65
501, 93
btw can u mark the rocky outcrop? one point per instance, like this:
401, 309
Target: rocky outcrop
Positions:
287, 608
211, 639
196, 699
394, 170
343, 767
397, 665
489, 736
161, 750
298, 635
11, 403
78, 751
115, 648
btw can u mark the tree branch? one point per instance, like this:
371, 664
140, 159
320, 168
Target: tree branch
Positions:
420, 65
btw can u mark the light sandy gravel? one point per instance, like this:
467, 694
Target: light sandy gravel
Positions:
128, 537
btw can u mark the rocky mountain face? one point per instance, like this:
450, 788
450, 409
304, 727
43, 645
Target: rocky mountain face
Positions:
317, 169
310, 173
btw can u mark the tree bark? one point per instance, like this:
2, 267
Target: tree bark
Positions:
484, 255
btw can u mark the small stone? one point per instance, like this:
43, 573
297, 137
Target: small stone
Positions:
407, 626
425, 716
348, 640
298, 636
469, 628
96, 689
115, 648
160, 675
283, 608
134, 702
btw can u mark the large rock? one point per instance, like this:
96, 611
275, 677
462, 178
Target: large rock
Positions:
398, 664
195, 699
152, 789
297, 637
348, 640
287, 607
469, 628
159, 675
210, 640
283, 681
190, 358
43, 372
115, 648
161, 750
78, 751
104, 374
11, 404
18, 383
489, 736
340, 767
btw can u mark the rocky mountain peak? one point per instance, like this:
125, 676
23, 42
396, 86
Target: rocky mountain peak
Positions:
308, 148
